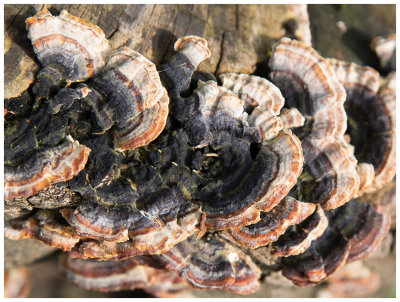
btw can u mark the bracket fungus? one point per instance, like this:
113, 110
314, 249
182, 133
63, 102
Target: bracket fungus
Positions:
354, 231
309, 84
26, 177
150, 178
68, 48
299, 237
136, 99
210, 262
272, 224
129, 274
370, 107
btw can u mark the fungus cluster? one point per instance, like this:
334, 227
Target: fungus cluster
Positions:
146, 182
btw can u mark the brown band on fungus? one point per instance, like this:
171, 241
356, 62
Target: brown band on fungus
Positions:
135, 97
247, 277
363, 225
194, 48
272, 224
44, 44
332, 165
298, 238
274, 173
387, 99
151, 224
45, 226
152, 122
291, 118
109, 276
67, 36
291, 58
325, 256
151, 241
262, 102
309, 84
366, 172
371, 119
86, 228
226, 159
288, 146
354, 231
255, 91
50, 166
211, 263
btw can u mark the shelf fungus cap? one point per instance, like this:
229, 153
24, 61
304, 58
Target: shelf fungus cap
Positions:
364, 226
273, 173
291, 118
254, 90
136, 99
325, 256
43, 168
272, 224
120, 230
309, 84
129, 274
151, 238
366, 172
298, 238
262, 102
370, 102
247, 172
354, 231
210, 263
46, 226
194, 48
332, 164
78, 48
297, 69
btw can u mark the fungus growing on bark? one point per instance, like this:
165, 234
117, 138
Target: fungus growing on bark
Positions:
135, 98
67, 47
146, 170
